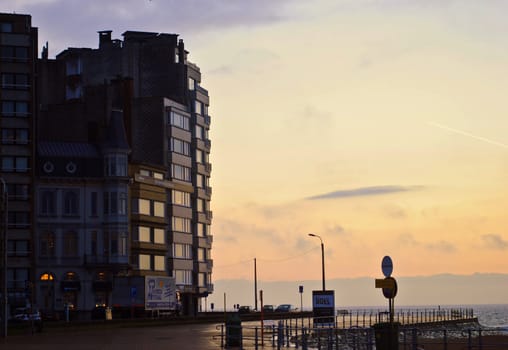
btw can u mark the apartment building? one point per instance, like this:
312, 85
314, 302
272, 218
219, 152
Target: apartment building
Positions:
18, 100
115, 171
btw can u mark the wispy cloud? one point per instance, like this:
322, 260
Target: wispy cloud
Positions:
409, 240
365, 191
494, 241
464, 133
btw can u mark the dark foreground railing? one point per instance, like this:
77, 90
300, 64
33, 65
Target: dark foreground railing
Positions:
447, 329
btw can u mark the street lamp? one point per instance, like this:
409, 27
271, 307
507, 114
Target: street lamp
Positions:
322, 257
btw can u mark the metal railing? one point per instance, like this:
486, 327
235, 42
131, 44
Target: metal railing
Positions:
416, 329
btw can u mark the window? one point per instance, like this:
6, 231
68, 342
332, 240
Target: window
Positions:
18, 191
93, 203
179, 120
201, 279
201, 254
144, 262
158, 176
14, 136
15, 81
181, 224
122, 203
180, 146
149, 234
183, 277
180, 172
201, 229
70, 244
15, 164
199, 156
14, 53
192, 85
158, 209
199, 132
182, 251
18, 248
198, 107
17, 277
141, 206
71, 204
200, 181
115, 165
15, 108
144, 234
47, 244
148, 207
48, 202
18, 219
158, 236
181, 198
118, 244
93, 243
159, 263
200, 205
5, 27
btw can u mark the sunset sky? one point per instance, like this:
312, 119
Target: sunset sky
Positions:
380, 125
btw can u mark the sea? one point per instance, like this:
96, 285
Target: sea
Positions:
491, 315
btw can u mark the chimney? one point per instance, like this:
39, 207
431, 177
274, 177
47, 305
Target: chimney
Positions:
104, 38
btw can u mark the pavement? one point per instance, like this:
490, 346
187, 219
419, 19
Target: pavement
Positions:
181, 337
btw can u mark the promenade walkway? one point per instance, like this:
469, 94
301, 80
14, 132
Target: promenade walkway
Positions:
172, 337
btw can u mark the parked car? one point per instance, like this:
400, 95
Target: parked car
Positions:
28, 316
284, 308
268, 308
22, 314
244, 309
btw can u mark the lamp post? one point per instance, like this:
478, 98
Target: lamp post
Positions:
322, 257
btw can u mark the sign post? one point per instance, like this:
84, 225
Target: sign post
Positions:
323, 308
387, 334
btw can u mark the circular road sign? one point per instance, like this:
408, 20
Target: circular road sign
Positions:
390, 293
387, 266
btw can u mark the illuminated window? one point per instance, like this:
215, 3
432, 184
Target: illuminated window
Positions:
47, 277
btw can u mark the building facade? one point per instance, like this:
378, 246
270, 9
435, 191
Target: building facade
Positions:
119, 187
18, 100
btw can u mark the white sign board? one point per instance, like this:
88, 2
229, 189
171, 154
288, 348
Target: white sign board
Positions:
160, 293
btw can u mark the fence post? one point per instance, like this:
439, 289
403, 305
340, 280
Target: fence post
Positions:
469, 340
304, 338
414, 339
222, 336
445, 340
256, 338
296, 336
280, 335
273, 335
480, 342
